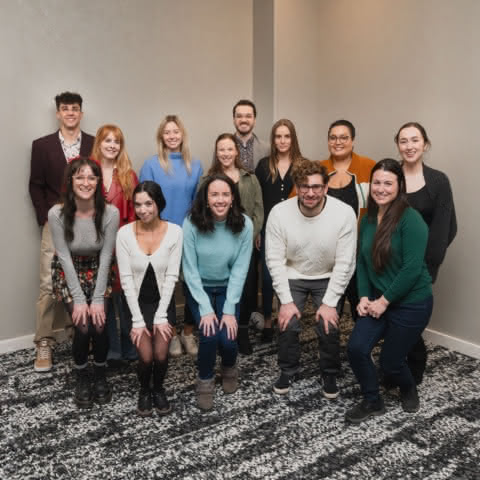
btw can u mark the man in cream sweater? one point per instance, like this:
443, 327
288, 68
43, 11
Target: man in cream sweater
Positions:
310, 250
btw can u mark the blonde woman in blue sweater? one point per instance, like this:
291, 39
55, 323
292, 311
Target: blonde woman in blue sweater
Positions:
218, 242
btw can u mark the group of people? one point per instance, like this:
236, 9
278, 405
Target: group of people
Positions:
342, 228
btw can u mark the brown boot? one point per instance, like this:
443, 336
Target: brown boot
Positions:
230, 379
205, 390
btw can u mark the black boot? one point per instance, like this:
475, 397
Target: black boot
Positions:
144, 373
160, 400
243, 340
101, 388
83, 389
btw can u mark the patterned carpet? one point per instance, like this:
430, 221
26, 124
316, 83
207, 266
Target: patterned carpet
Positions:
250, 434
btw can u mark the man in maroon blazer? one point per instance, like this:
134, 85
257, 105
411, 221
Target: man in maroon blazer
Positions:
50, 155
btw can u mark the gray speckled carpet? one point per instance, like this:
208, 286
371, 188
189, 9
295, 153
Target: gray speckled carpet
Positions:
250, 434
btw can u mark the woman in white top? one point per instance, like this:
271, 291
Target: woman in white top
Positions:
148, 253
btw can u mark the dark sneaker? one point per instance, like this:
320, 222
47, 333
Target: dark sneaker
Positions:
330, 389
410, 401
144, 406
243, 340
267, 335
83, 389
282, 385
160, 402
364, 410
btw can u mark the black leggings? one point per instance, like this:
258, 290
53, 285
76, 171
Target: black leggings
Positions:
81, 341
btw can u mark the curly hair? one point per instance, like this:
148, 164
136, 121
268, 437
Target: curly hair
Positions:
201, 216
123, 164
304, 168
217, 166
69, 205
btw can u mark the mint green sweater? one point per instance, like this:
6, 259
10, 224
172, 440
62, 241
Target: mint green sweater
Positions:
405, 278
216, 259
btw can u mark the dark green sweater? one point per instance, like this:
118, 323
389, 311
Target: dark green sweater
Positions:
405, 278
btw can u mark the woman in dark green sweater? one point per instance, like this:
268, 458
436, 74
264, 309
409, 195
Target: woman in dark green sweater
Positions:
395, 291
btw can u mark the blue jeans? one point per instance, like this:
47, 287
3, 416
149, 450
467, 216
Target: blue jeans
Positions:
207, 347
400, 327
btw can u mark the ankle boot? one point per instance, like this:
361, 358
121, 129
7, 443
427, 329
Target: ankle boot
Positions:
144, 374
101, 388
205, 390
243, 340
230, 379
83, 390
160, 400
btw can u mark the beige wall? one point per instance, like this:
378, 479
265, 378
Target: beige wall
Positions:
380, 63
133, 62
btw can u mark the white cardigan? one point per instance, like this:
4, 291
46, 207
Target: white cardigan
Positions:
133, 263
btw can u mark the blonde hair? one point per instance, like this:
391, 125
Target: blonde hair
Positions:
123, 164
294, 153
163, 150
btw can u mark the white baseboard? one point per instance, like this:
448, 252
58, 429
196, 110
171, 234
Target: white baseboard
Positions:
20, 343
452, 343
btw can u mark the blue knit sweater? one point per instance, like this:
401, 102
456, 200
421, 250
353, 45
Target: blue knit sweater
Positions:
178, 186
216, 259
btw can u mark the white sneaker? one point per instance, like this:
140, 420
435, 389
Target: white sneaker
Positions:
189, 344
175, 348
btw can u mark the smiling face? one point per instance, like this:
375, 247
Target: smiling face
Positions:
219, 199
384, 188
311, 193
244, 119
172, 137
340, 142
282, 139
411, 145
84, 183
69, 116
110, 147
226, 152
145, 208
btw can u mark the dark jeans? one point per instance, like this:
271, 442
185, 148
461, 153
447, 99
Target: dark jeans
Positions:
400, 327
288, 340
120, 345
267, 287
207, 348
248, 302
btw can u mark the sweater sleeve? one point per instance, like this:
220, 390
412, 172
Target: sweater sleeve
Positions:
171, 277
414, 236
344, 261
364, 286
443, 227
146, 172
62, 250
105, 260
276, 257
239, 269
124, 254
190, 269
199, 180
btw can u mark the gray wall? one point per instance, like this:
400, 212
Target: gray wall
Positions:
381, 63
133, 61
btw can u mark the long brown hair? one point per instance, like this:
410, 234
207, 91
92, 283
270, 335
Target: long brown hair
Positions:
69, 206
123, 164
217, 166
295, 153
163, 151
382, 243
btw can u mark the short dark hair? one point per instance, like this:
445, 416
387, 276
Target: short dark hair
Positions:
246, 103
201, 216
154, 191
304, 168
68, 98
343, 123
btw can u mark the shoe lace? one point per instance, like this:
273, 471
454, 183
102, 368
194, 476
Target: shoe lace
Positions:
44, 352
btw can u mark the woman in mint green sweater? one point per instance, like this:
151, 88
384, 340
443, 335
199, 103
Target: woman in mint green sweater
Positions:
218, 242
395, 291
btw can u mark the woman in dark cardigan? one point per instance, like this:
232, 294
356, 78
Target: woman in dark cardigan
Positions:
429, 192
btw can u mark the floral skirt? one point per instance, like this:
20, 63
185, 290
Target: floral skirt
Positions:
87, 269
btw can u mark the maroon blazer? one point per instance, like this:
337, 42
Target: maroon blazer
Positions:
47, 170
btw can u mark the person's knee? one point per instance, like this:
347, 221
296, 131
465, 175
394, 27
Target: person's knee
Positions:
357, 349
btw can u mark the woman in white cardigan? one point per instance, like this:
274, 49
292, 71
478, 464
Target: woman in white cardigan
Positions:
148, 253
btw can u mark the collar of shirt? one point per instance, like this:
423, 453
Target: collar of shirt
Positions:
70, 151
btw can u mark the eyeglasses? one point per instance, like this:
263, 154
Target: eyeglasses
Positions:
316, 188
341, 138
89, 179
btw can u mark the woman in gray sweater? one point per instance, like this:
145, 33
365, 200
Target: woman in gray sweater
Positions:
83, 230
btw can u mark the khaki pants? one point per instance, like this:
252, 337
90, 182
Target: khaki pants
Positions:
48, 310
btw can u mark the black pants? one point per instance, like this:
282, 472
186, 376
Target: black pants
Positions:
288, 340
248, 302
